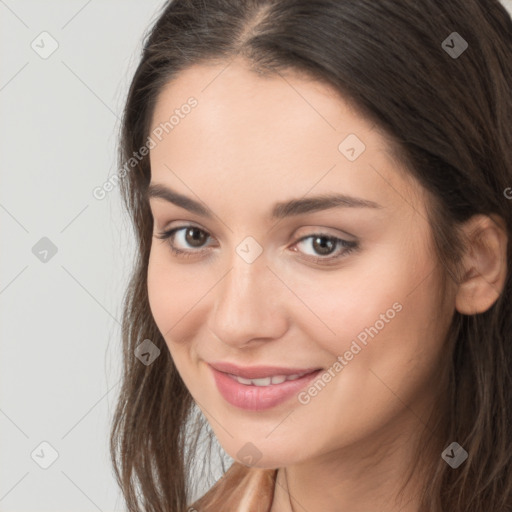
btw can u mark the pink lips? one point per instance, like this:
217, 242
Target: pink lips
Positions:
259, 372
257, 398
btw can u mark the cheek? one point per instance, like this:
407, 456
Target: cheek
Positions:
382, 314
178, 297
386, 362
172, 289
170, 296
341, 305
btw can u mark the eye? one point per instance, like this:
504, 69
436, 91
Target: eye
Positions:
324, 245
192, 234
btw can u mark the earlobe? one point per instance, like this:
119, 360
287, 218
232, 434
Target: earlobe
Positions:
485, 264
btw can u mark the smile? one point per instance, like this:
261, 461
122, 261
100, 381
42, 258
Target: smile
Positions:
267, 381
261, 393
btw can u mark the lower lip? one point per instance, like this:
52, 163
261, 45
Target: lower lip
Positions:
258, 398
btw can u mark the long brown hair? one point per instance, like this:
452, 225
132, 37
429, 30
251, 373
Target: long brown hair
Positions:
449, 121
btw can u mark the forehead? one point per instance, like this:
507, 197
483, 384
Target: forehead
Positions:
272, 137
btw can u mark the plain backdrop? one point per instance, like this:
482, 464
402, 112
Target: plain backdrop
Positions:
64, 71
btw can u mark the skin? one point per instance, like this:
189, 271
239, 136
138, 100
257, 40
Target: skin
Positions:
252, 142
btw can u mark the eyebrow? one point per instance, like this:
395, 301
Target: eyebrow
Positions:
279, 211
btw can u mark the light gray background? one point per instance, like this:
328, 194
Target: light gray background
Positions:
60, 360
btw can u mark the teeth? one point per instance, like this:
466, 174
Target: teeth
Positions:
242, 380
267, 381
261, 382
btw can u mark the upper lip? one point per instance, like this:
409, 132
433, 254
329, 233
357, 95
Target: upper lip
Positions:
259, 372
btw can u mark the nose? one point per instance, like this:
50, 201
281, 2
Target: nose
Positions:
248, 304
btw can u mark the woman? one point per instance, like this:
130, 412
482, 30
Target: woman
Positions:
321, 198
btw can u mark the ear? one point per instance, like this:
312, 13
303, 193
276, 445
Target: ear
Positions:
484, 262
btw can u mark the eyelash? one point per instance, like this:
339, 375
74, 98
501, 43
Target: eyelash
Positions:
349, 245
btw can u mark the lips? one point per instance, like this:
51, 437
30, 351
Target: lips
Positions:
260, 372
267, 381
260, 393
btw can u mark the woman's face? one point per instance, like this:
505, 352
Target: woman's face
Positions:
253, 289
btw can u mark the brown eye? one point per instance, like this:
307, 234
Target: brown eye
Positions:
323, 245
195, 237
185, 241
327, 249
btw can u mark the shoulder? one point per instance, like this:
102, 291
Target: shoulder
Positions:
240, 489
